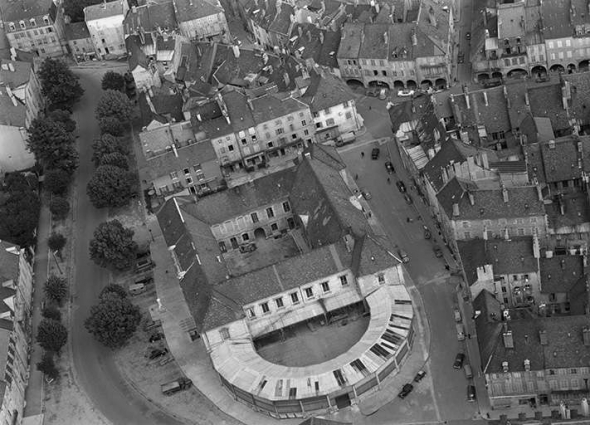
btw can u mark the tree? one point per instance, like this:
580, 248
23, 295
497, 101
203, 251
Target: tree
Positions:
113, 288
56, 289
112, 80
56, 241
52, 335
111, 125
117, 159
47, 366
113, 320
59, 84
113, 245
51, 312
114, 104
63, 118
16, 182
19, 216
59, 207
107, 144
65, 158
111, 186
75, 8
57, 181
46, 138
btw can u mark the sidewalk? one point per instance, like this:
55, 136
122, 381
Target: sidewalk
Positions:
34, 393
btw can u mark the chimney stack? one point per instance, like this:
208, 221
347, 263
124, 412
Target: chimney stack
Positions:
527, 365
485, 98
526, 98
586, 336
300, 31
505, 367
536, 247
309, 36
508, 340
455, 210
471, 198
321, 37
543, 337
467, 101
505, 194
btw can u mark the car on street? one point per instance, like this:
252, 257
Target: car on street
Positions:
406, 389
468, 35
457, 315
156, 337
401, 186
461, 57
459, 359
419, 376
403, 255
405, 93
383, 94
471, 393
408, 199
389, 167
366, 194
373, 91
427, 233
437, 251
157, 353
375, 153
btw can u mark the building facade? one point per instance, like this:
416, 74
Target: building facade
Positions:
105, 25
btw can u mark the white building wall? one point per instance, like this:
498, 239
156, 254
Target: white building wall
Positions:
107, 35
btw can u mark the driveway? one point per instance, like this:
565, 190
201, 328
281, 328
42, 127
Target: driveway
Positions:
95, 370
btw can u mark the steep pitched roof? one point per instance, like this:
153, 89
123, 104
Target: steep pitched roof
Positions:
150, 17
189, 10
16, 78
579, 89
77, 31
560, 274
25, 9
326, 91
103, 10
546, 101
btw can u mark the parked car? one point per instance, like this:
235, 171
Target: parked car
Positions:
408, 199
461, 57
457, 315
405, 93
406, 389
459, 359
403, 255
401, 186
375, 153
151, 324
389, 167
437, 251
176, 385
366, 194
373, 91
468, 371
157, 353
156, 337
427, 233
383, 93
419, 376
471, 393
468, 35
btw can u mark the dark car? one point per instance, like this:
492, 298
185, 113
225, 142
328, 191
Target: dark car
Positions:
468, 36
419, 376
471, 393
408, 199
401, 186
156, 337
373, 91
459, 358
461, 57
375, 153
146, 280
437, 251
157, 353
406, 389
389, 167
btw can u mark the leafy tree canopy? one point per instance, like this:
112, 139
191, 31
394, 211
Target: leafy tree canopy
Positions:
46, 139
117, 159
112, 80
57, 181
19, 216
113, 320
59, 84
111, 126
51, 312
65, 158
47, 366
63, 118
75, 8
56, 289
111, 186
59, 207
113, 245
113, 288
114, 104
51, 335
56, 241
106, 145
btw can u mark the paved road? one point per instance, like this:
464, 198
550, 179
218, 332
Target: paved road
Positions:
436, 287
95, 370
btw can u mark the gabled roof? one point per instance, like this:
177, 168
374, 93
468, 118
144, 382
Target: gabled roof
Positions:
10, 114
282, 20
162, 165
565, 158
135, 55
326, 91
560, 17
25, 9
270, 107
9, 262
546, 101
308, 44
77, 31
150, 17
16, 78
486, 107
559, 274
190, 10
103, 10
350, 42
579, 104
238, 110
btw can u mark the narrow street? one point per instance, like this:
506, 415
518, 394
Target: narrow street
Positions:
95, 370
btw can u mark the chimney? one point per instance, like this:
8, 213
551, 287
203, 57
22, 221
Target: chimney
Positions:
536, 247
414, 38
133, 9
543, 337
321, 37
431, 16
300, 31
586, 336
11, 66
236, 50
471, 198
508, 340
526, 98
505, 367
527, 365
455, 210
286, 78
174, 149
505, 194
309, 36
467, 101
485, 98
377, 8
539, 193
385, 37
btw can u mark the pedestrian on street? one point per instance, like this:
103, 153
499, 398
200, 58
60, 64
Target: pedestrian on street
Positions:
356, 176
468, 336
370, 107
362, 154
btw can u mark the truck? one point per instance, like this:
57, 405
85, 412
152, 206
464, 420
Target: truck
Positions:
176, 386
460, 331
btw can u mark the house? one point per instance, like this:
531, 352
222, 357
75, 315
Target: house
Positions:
508, 269
35, 26
539, 361
332, 105
562, 277
105, 24
315, 46
202, 20
16, 286
79, 41
20, 103
274, 253
142, 67
269, 21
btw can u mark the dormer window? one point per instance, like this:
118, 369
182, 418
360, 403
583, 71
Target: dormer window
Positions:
12, 26
46, 20
33, 22
22, 24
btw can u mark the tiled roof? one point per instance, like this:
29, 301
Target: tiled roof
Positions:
546, 101
189, 10
374, 44
473, 255
579, 104
11, 115
533, 23
103, 10
16, 78
135, 55
9, 262
559, 274
162, 165
166, 105
558, 19
239, 111
77, 31
214, 128
26, 9
328, 155
511, 18
326, 91
439, 34
493, 113
150, 17
523, 201
270, 107
350, 42
282, 20
518, 109
534, 160
564, 161
308, 44
196, 62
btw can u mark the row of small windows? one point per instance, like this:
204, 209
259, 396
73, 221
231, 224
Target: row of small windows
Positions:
32, 22
294, 296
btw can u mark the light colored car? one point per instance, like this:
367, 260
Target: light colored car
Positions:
405, 93
366, 194
403, 255
383, 94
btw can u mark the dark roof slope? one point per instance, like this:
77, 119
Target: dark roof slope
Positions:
560, 274
326, 91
